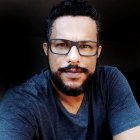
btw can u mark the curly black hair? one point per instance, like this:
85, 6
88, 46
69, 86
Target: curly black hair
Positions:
72, 8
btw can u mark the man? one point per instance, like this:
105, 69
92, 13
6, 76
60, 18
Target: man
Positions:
73, 98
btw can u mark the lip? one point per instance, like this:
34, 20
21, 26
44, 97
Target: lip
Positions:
72, 75
73, 70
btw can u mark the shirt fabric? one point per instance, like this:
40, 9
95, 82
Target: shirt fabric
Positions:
32, 111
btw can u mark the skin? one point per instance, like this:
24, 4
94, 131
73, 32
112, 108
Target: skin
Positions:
75, 32
76, 29
131, 134
68, 27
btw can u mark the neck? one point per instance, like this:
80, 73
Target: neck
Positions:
70, 103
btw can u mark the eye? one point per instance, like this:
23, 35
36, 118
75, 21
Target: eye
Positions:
86, 46
61, 44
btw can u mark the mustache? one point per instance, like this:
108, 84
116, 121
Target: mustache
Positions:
76, 67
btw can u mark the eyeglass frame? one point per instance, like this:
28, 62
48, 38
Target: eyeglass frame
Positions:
74, 43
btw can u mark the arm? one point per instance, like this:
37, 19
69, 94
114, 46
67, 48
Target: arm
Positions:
16, 117
131, 134
124, 112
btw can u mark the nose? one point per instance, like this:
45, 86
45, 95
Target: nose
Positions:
73, 55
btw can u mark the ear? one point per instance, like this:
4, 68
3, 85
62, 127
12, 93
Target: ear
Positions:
45, 48
99, 51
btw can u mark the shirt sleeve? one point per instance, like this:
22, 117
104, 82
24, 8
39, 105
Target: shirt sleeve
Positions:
123, 110
17, 121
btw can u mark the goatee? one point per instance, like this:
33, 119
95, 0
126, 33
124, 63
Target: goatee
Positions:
67, 90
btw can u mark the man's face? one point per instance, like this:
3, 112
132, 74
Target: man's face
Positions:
76, 28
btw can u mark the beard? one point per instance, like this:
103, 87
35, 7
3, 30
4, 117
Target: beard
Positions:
68, 90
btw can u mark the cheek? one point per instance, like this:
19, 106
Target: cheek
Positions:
55, 62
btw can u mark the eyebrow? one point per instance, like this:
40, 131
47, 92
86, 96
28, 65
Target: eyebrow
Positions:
74, 41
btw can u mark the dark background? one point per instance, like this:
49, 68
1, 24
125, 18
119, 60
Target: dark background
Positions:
22, 35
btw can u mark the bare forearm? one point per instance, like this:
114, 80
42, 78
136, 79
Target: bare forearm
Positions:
131, 134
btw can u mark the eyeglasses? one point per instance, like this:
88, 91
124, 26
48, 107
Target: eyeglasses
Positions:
63, 47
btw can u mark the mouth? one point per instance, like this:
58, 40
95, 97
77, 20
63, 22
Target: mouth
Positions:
73, 70
72, 73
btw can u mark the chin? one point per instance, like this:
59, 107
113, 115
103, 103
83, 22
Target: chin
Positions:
70, 87
73, 85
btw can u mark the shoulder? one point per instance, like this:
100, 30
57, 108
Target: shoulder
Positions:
109, 73
113, 80
35, 85
24, 101
28, 93
106, 69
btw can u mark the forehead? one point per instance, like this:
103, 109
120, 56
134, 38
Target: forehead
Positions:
74, 28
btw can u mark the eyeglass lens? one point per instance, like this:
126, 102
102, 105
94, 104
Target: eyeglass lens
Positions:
61, 46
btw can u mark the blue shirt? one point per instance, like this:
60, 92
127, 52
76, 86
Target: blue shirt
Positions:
32, 111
